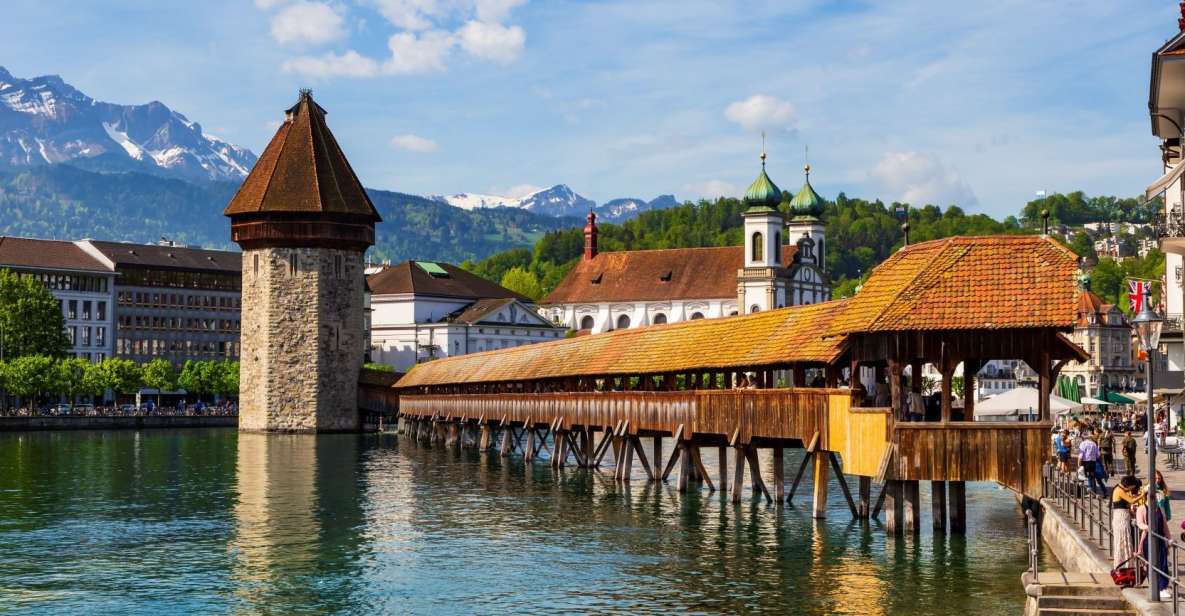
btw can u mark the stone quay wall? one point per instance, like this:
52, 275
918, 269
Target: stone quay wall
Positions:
22, 424
302, 340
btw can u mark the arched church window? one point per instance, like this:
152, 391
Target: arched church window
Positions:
623, 321
758, 246
695, 316
660, 318
586, 323
754, 308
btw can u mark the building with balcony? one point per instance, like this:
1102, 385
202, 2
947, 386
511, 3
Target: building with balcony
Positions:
1103, 331
171, 301
782, 263
420, 311
83, 285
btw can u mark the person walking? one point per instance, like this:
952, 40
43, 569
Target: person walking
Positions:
1107, 448
1163, 499
1122, 499
1129, 453
1088, 458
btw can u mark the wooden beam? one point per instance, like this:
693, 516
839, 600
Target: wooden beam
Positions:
722, 453
865, 488
699, 465
819, 501
779, 474
913, 506
806, 461
755, 471
957, 501
657, 449
637, 443
843, 483
738, 476
938, 504
666, 472
894, 494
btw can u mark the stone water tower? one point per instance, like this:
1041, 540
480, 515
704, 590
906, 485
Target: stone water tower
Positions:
304, 222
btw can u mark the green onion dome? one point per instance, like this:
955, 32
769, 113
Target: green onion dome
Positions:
762, 193
807, 203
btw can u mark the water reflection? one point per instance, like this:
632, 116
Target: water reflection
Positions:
214, 521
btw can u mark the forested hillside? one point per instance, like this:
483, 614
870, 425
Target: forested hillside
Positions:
860, 234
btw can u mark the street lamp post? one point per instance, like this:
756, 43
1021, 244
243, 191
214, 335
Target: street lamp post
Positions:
1148, 325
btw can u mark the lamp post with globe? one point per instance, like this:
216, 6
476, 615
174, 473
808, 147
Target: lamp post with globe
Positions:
1148, 325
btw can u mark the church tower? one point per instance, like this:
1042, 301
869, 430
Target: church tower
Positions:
303, 221
760, 283
806, 208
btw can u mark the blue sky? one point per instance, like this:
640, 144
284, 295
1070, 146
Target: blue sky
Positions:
975, 103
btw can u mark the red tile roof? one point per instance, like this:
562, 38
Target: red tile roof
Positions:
409, 278
772, 338
655, 275
994, 282
47, 254
303, 171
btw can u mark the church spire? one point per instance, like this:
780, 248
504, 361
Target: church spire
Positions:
807, 203
762, 194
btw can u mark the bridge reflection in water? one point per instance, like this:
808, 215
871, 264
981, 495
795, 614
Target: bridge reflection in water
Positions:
210, 521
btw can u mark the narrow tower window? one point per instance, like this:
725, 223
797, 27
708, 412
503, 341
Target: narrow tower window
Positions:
777, 246
255, 265
758, 247
292, 263
337, 265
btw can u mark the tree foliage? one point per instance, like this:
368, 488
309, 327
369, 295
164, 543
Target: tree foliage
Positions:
31, 322
522, 281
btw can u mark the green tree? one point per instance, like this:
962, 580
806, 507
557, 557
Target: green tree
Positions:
521, 281
1083, 246
160, 375
123, 376
378, 367
226, 378
30, 376
31, 322
71, 377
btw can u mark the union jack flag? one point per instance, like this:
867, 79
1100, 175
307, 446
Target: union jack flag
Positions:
1135, 297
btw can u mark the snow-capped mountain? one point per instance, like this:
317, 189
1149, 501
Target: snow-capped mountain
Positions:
559, 201
44, 120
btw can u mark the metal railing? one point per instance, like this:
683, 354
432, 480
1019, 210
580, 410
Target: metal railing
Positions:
1171, 224
1092, 512
1034, 536
124, 411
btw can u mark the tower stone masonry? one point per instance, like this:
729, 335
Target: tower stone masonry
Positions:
304, 222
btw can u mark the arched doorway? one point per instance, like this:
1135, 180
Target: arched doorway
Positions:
695, 316
586, 323
660, 319
623, 321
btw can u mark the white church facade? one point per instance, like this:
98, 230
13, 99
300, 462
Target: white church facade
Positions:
782, 263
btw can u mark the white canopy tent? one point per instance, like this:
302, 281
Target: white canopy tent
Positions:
1017, 403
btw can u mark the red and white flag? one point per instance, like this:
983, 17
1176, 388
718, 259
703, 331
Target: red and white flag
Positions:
1135, 298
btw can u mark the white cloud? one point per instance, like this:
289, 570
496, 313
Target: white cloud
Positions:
348, 64
495, 11
711, 189
417, 54
308, 23
268, 4
414, 143
411, 14
921, 179
491, 41
761, 112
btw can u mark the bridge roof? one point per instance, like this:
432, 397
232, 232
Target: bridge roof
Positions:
777, 337
968, 283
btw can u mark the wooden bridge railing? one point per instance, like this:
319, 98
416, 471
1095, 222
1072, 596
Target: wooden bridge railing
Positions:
1005, 452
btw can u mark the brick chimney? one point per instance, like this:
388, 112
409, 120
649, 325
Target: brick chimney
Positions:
590, 237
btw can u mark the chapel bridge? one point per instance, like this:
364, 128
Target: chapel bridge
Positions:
945, 302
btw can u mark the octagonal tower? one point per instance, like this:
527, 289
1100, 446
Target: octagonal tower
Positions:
304, 222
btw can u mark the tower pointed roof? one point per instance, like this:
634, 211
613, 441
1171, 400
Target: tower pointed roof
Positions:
763, 195
807, 203
304, 172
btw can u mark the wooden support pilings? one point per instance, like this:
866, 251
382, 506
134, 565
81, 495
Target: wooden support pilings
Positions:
723, 462
865, 488
938, 504
819, 501
957, 501
913, 506
843, 483
894, 494
657, 457
755, 472
779, 475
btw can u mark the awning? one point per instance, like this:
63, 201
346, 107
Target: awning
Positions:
1094, 401
1115, 398
1021, 401
1162, 184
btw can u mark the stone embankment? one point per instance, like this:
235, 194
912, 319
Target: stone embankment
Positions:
18, 424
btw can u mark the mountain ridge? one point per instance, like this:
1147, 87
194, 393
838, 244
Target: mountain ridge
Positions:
559, 201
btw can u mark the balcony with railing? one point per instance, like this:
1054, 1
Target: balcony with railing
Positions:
1170, 230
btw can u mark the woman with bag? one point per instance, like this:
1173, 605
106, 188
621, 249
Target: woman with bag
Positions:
1122, 499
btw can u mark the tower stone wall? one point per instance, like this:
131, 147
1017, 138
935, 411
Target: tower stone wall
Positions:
303, 339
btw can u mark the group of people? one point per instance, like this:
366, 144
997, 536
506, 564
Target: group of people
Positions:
1095, 446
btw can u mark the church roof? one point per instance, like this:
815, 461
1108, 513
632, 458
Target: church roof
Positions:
762, 195
656, 275
997, 282
303, 171
436, 280
772, 338
807, 202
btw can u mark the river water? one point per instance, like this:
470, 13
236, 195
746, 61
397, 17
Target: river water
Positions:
211, 521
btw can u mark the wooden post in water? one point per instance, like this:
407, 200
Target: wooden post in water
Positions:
484, 443
938, 504
958, 507
657, 457
723, 456
738, 476
819, 509
894, 506
913, 506
779, 475
865, 496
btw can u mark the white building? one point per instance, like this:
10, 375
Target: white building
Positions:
1166, 106
83, 285
1103, 332
422, 311
780, 264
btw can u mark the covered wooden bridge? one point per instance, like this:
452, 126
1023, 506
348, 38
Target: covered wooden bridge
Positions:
826, 377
